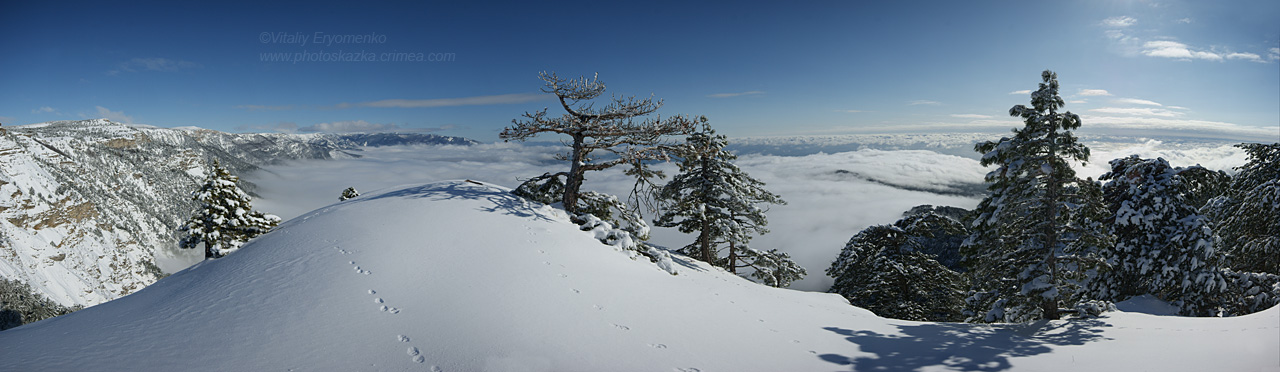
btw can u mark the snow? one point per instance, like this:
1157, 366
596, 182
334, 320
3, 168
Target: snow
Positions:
454, 276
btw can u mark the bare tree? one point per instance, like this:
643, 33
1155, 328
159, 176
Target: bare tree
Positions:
620, 128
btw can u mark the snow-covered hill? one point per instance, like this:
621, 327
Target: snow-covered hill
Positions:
89, 209
459, 276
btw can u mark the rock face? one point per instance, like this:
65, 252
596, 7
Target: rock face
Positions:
89, 209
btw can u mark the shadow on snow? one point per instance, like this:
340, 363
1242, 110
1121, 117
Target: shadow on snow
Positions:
960, 346
503, 202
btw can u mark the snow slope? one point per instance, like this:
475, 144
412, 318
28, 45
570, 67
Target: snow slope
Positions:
457, 276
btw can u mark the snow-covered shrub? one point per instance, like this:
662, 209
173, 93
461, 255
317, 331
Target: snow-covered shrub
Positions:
349, 193
20, 304
883, 270
1093, 308
1163, 245
1251, 292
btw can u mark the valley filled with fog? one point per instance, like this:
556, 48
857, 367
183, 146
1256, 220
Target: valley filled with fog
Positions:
834, 186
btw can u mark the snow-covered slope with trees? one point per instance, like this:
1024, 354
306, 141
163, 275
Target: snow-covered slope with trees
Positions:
459, 276
89, 209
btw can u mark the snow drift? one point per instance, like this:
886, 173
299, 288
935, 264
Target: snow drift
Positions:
457, 276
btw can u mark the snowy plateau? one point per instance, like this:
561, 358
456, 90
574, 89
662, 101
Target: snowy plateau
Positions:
464, 276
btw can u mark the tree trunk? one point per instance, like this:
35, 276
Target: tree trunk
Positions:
708, 254
733, 258
574, 181
1049, 307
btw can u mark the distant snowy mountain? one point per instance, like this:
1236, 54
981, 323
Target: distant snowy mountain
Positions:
460, 276
89, 209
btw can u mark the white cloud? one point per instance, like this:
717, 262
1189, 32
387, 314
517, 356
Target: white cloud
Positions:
1184, 20
971, 116
1143, 111
501, 99
1173, 49
1135, 101
1024, 91
116, 116
1246, 56
850, 111
923, 102
1078, 101
1094, 92
152, 64
1177, 107
727, 95
348, 126
1120, 22
1273, 54
1171, 126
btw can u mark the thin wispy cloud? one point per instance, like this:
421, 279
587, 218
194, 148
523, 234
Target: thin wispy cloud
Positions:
152, 64
46, 110
850, 111
1273, 54
281, 127
1135, 101
1078, 101
1139, 111
1024, 91
727, 95
348, 126
501, 99
1184, 21
265, 107
1119, 22
923, 102
1094, 92
971, 116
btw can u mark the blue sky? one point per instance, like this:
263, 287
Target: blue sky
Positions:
1149, 68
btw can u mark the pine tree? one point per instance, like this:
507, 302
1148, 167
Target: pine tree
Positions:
886, 269
1248, 215
349, 193
1163, 245
1028, 246
619, 128
715, 199
225, 220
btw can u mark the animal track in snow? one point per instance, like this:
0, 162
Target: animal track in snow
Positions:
377, 300
402, 338
413, 351
622, 327
576, 291
658, 346
373, 291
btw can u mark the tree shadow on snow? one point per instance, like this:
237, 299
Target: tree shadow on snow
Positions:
960, 346
503, 202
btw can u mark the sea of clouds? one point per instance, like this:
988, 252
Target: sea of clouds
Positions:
834, 187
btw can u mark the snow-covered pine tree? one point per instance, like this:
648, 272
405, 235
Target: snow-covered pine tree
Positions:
1027, 246
1248, 216
349, 193
885, 269
1163, 245
715, 199
225, 219
619, 128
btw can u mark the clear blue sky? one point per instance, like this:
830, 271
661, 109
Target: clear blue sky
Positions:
768, 68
